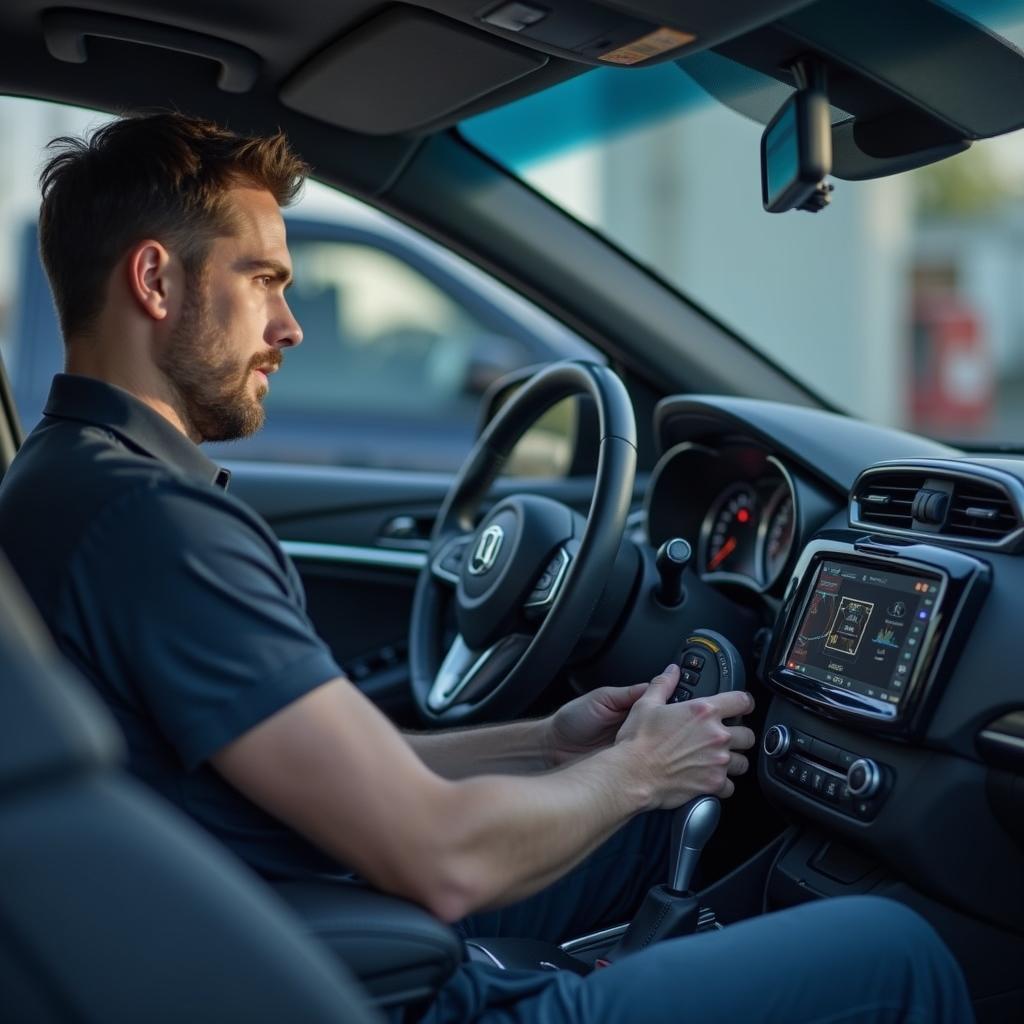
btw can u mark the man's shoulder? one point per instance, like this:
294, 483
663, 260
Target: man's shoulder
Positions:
168, 511
64, 457
75, 485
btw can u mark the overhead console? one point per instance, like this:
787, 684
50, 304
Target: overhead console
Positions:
888, 114
362, 80
628, 33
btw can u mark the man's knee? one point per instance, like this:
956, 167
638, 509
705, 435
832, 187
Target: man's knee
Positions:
892, 926
881, 931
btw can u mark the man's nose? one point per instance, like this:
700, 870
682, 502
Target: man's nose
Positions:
286, 329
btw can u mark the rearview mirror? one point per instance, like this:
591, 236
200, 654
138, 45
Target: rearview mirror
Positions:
796, 154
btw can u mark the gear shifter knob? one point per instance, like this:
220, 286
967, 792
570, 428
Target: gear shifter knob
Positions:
671, 560
693, 825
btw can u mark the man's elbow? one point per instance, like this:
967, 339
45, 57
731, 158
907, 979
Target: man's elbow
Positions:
451, 889
441, 875
440, 862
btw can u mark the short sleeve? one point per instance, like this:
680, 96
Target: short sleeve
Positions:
184, 603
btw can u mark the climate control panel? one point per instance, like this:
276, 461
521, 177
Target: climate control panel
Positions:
842, 779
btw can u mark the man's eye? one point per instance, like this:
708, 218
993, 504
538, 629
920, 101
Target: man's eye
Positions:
265, 280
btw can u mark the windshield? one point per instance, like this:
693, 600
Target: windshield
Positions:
900, 303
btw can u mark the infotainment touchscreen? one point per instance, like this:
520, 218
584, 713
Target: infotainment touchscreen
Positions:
862, 629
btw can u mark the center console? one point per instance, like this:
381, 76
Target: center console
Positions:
867, 637
868, 632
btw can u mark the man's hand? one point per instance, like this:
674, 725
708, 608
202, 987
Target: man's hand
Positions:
590, 722
679, 751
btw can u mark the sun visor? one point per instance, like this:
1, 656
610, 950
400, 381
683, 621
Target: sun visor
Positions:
404, 69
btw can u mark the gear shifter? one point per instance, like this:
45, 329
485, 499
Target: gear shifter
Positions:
710, 664
671, 910
692, 826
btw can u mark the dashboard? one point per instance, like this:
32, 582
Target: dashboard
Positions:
891, 626
734, 503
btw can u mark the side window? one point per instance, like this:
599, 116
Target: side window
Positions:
382, 340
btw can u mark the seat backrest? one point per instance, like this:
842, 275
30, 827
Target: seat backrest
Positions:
113, 906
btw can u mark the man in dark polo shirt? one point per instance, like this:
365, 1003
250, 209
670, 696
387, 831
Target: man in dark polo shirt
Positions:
165, 247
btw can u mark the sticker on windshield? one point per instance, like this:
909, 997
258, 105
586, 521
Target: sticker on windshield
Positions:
653, 44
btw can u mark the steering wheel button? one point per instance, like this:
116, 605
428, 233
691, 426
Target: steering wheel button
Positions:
680, 695
689, 678
694, 661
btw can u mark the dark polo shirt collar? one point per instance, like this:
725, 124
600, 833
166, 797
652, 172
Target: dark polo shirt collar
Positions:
94, 401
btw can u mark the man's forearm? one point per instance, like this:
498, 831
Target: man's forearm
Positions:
513, 748
508, 837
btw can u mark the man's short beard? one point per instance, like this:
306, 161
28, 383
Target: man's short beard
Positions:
213, 390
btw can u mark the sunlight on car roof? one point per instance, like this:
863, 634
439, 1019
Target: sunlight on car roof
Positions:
1003, 17
599, 104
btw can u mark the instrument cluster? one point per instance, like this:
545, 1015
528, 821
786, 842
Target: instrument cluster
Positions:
735, 504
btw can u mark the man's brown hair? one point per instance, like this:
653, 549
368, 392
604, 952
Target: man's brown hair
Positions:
163, 176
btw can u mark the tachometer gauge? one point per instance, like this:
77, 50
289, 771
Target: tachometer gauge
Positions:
730, 533
778, 529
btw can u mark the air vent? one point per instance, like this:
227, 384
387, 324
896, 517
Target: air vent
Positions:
980, 510
952, 501
887, 499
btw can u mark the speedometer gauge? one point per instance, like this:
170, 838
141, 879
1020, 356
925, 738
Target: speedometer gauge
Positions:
730, 533
778, 529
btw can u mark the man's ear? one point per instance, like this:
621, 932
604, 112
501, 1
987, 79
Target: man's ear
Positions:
153, 279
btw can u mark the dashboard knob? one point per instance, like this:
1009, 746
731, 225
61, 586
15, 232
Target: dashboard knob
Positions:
776, 741
863, 777
672, 559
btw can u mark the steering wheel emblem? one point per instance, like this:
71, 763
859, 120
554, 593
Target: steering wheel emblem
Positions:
487, 549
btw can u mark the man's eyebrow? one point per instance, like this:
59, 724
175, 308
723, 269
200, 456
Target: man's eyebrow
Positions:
274, 268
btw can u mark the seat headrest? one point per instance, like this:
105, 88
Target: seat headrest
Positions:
51, 725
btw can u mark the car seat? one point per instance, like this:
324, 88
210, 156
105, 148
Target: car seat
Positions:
113, 906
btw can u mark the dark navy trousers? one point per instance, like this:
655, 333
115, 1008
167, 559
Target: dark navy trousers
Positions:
834, 961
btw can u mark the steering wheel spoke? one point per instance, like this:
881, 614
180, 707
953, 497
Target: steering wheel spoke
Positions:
546, 589
446, 562
465, 671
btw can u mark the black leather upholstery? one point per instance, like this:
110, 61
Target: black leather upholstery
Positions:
399, 952
524, 954
113, 907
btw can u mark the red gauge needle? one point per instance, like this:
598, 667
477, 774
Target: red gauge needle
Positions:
723, 553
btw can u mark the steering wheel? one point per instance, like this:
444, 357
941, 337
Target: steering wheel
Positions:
527, 578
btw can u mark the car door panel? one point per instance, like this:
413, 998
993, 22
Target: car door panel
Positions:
359, 538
